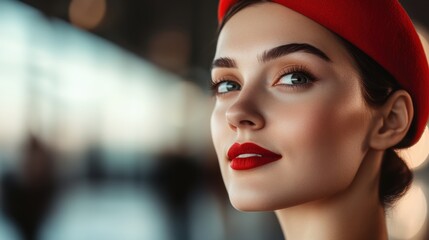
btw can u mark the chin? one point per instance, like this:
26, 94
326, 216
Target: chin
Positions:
252, 203
255, 202
246, 206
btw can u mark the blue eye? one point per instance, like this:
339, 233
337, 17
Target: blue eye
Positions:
225, 87
295, 78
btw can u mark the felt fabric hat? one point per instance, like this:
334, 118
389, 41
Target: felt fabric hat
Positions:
384, 31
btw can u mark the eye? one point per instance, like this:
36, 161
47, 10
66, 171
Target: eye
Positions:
226, 86
295, 78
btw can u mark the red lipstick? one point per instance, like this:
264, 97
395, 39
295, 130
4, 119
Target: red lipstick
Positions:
249, 155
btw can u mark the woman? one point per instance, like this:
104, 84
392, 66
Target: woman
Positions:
312, 98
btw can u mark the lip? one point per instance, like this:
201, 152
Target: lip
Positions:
249, 155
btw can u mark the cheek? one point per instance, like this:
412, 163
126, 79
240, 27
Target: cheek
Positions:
220, 136
324, 141
326, 126
218, 126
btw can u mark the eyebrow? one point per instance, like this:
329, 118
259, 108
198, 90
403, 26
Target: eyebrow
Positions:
224, 62
274, 53
286, 49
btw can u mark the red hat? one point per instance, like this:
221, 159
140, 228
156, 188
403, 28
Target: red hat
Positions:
380, 28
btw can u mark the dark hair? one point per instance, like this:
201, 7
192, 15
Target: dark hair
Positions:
377, 85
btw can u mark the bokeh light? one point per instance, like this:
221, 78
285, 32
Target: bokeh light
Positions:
417, 155
406, 219
87, 14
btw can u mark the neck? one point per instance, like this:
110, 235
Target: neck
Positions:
355, 213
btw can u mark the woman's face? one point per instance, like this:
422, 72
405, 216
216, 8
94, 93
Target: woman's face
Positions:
286, 84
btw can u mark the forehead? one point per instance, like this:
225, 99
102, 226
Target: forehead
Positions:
264, 25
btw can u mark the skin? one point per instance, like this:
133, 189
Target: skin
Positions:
330, 140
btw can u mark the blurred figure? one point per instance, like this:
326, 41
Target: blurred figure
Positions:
177, 178
29, 194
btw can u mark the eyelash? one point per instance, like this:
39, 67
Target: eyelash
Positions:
300, 69
214, 85
289, 70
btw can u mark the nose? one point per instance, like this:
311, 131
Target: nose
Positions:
244, 113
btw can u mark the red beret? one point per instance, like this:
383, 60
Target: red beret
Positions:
380, 28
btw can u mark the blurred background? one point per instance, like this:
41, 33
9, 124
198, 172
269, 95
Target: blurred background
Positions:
104, 126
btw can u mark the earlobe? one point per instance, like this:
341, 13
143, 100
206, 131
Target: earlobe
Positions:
393, 121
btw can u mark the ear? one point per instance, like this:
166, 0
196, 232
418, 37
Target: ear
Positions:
392, 121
